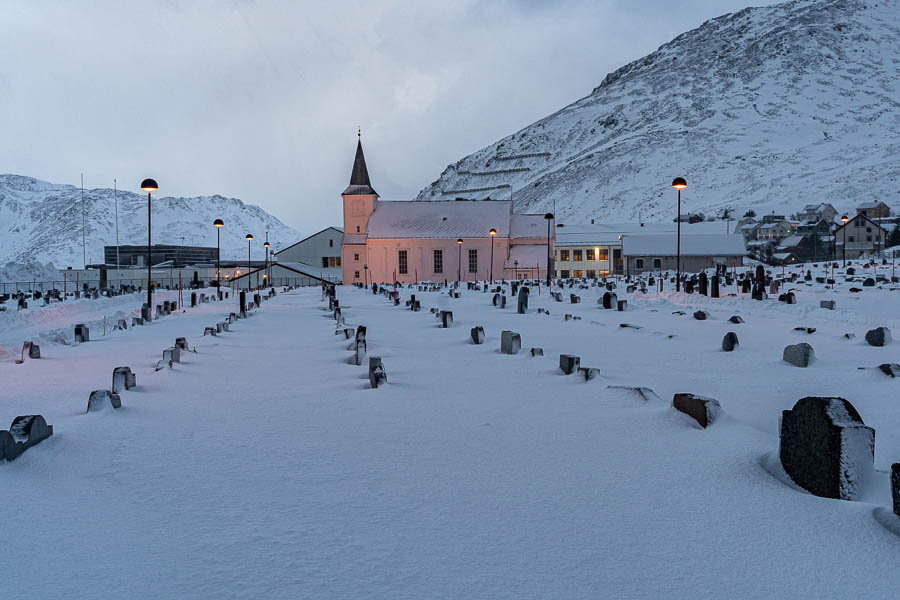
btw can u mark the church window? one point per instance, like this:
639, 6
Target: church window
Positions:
438, 261
473, 261
402, 262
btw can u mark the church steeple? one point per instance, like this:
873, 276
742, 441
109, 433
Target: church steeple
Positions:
359, 177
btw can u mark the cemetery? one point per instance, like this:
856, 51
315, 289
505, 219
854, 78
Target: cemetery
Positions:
473, 426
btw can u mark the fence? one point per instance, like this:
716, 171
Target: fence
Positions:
166, 283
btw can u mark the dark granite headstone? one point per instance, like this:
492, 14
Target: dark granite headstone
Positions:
569, 363
878, 336
701, 409
826, 448
799, 355
730, 341
477, 334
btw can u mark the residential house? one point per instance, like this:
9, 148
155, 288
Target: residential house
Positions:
874, 210
858, 237
698, 252
817, 212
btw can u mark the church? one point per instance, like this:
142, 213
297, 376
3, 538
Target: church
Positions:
459, 240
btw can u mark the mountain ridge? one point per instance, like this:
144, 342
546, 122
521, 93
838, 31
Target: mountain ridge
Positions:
767, 108
45, 222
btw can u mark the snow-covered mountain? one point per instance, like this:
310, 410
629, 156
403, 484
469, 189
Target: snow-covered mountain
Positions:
42, 222
768, 108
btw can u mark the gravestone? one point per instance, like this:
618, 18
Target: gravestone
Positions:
172, 355
588, 373
609, 300
477, 334
123, 379
30, 350
209, 331
788, 298
826, 448
496, 300
704, 284
701, 315
24, 432
574, 298
622, 305
745, 286
730, 342
377, 374
510, 342
145, 314
446, 318
569, 363
890, 369
895, 487
826, 304
181, 343
868, 282
82, 333
102, 399
878, 336
799, 355
522, 301
242, 302
736, 319
537, 352
714, 291
193, 299
701, 409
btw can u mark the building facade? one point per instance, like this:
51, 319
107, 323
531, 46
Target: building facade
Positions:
410, 241
698, 252
321, 250
180, 256
858, 237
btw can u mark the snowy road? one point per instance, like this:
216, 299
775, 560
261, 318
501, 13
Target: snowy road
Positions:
264, 466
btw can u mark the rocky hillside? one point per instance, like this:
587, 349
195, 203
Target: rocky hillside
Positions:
770, 108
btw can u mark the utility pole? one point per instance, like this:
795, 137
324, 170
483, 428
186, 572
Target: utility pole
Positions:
83, 237
116, 200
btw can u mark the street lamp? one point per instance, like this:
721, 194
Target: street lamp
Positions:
516, 264
458, 260
149, 186
366, 274
493, 233
218, 224
549, 217
249, 238
266, 246
679, 184
845, 219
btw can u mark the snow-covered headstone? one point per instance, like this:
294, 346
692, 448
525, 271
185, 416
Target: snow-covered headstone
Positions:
826, 448
569, 363
701, 409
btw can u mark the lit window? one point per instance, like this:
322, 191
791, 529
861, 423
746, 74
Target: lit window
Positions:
590, 256
438, 261
579, 274
402, 263
576, 256
603, 254
564, 256
337, 261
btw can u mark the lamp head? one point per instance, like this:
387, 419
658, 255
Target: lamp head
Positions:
459, 242
248, 237
548, 216
844, 219
149, 185
493, 232
219, 223
679, 183
266, 245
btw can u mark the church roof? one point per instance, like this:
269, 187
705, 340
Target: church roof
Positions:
359, 177
439, 219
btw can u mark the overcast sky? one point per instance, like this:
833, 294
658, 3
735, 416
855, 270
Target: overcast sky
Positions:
261, 100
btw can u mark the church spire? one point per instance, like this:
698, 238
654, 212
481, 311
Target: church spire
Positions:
359, 177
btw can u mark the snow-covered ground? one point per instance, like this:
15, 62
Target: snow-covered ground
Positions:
264, 466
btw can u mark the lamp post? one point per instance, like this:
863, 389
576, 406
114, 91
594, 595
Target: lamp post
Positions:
549, 217
149, 186
679, 184
249, 238
493, 233
845, 219
266, 246
366, 274
516, 265
218, 224
458, 260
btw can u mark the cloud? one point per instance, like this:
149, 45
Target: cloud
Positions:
261, 100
